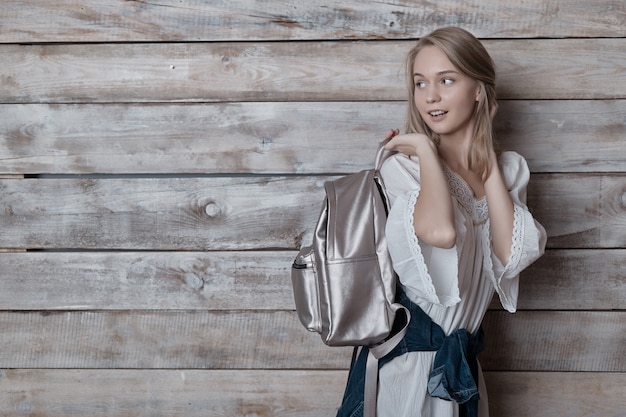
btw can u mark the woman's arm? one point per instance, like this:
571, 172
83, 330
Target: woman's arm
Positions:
433, 216
501, 214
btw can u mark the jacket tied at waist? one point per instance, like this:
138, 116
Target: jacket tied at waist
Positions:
454, 376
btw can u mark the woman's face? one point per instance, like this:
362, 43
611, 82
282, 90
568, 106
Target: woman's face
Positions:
444, 97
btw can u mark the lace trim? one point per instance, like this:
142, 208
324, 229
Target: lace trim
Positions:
429, 289
514, 259
481, 211
488, 264
517, 247
465, 196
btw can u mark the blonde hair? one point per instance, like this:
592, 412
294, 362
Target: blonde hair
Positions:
471, 58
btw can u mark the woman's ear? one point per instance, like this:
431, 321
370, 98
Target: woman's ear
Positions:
479, 91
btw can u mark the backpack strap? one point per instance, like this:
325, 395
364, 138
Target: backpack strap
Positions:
375, 353
382, 154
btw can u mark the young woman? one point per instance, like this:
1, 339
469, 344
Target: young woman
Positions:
458, 230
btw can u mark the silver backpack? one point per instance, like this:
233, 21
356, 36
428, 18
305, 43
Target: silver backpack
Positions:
344, 284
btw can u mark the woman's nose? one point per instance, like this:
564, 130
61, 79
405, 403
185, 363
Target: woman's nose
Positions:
432, 95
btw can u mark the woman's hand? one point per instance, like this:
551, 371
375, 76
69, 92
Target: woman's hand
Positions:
433, 215
391, 133
411, 144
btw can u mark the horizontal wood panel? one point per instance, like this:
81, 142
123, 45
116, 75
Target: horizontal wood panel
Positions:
578, 211
556, 394
117, 20
164, 340
561, 279
295, 137
146, 280
592, 279
174, 154
525, 341
299, 71
557, 340
159, 213
189, 393
192, 393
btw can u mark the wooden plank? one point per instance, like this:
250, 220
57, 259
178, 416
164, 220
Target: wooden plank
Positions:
579, 341
150, 393
117, 20
60, 281
555, 341
235, 393
300, 137
556, 394
146, 280
159, 213
246, 213
574, 279
189, 393
564, 136
297, 71
293, 137
578, 209
164, 340
515, 75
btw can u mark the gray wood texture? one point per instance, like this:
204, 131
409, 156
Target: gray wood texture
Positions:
282, 137
276, 393
240, 213
162, 161
298, 71
258, 280
175, 20
525, 341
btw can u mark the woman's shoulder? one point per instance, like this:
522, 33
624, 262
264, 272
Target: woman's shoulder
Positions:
510, 157
400, 173
400, 165
514, 167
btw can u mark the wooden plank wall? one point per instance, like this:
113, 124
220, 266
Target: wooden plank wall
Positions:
162, 162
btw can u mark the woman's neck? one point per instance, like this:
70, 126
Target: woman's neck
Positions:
455, 151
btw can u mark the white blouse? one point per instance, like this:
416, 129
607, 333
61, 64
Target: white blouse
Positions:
453, 286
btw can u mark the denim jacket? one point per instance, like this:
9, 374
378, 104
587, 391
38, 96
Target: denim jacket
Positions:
455, 369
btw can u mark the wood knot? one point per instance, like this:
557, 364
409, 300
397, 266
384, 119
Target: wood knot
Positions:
265, 143
212, 209
193, 281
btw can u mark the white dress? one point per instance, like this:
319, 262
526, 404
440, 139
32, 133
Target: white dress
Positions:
453, 286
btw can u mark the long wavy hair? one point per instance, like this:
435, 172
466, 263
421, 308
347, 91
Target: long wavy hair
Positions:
470, 58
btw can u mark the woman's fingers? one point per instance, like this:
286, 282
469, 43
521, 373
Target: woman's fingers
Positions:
391, 133
410, 144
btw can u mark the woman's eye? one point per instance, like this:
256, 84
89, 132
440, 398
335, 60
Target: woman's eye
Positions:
447, 81
420, 84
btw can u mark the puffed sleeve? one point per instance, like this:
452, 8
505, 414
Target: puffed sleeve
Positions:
529, 237
426, 272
